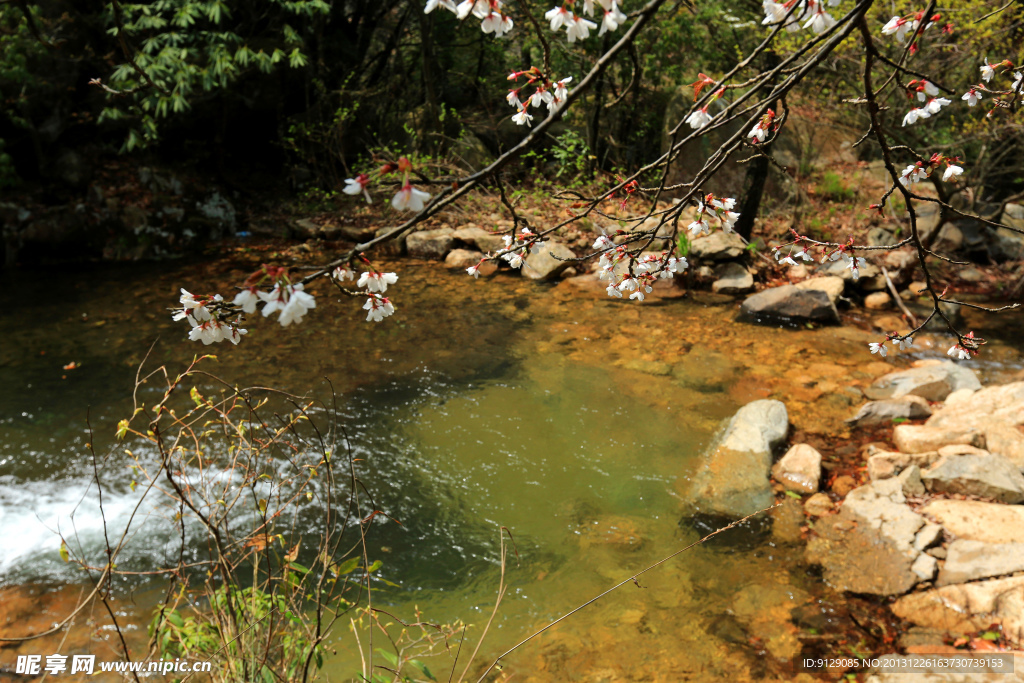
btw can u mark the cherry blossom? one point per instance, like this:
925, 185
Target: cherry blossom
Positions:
897, 26
952, 171
290, 300
561, 92
913, 174
699, 118
603, 242
378, 307
497, 23
409, 198
775, 13
972, 97
820, 21
905, 343
914, 115
579, 29
559, 17
523, 117
959, 352
936, 104
878, 347
342, 273
434, 4
613, 18
247, 299
354, 186
474, 271
988, 71
376, 282
699, 227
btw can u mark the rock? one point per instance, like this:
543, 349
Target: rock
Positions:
831, 285
974, 520
799, 469
933, 382
880, 237
791, 304
461, 259
968, 607
910, 481
877, 301
706, 371
548, 261
949, 239
986, 476
787, 520
921, 438
430, 244
733, 278
818, 505
971, 274
734, 479
391, 246
908, 407
1006, 441
843, 484
484, 241
925, 567
969, 560
718, 246
929, 535
870, 278
929, 218
887, 464
648, 367
622, 533
869, 546
218, 209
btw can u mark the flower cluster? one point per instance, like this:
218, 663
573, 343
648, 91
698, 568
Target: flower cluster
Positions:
790, 258
700, 117
966, 348
374, 284
490, 13
903, 342
641, 273
918, 171
209, 318
792, 12
934, 106
408, 198
516, 249
544, 92
713, 207
578, 28
901, 27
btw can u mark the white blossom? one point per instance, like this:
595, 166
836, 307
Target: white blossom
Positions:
342, 273
376, 282
914, 115
247, 299
523, 118
972, 97
378, 308
699, 118
987, 71
410, 199
952, 171
905, 343
579, 29
559, 17
878, 347
700, 227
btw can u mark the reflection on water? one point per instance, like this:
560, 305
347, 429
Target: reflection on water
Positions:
570, 419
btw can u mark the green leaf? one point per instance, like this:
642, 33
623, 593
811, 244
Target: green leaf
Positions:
990, 635
391, 657
347, 567
422, 667
298, 567
63, 550
793, 494
377, 564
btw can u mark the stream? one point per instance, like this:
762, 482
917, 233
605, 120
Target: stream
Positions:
572, 420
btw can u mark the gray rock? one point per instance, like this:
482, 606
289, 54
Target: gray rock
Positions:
217, 208
910, 480
789, 303
975, 520
479, 238
869, 546
799, 469
430, 244
885, 411
925, 567
706, 371
923, 439
929, 535
965, 608
733, 278
949, 239
970, 560
734, 479
987, 476
718, 246
548, 261
818, 505
462, 258
888, 464
870, 278
880, 237
932, 382
830, 284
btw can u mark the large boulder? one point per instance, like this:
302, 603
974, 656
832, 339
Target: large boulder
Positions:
885, 411
869, 547
830, 284
986, 476
548, 261
430, 244
974, 520
733, 481
789, 304
870, 276
484, 241
718, 246
969, 607
733, 278
931, 382
1003, 403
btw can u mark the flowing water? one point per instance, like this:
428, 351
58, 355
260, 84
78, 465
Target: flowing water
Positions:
571, 420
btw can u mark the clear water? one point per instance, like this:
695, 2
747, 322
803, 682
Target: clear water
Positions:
483, 404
